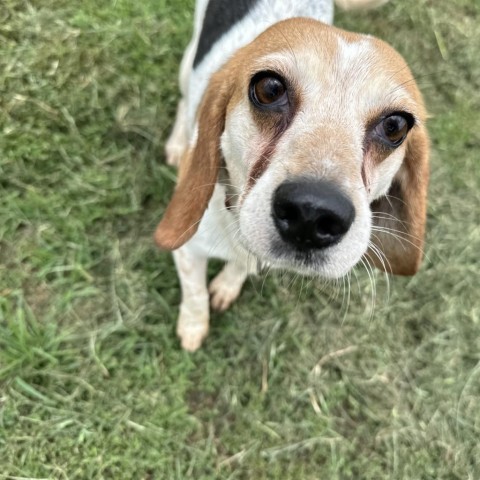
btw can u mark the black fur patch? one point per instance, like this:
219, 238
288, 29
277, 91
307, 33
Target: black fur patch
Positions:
220, 16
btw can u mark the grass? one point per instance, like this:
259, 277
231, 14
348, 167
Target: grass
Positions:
294, 382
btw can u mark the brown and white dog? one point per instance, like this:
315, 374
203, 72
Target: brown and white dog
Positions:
300, 146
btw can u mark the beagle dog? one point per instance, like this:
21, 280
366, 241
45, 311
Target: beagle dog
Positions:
300, 146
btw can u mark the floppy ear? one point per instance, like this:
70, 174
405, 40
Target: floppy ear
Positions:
399, 217
198, 169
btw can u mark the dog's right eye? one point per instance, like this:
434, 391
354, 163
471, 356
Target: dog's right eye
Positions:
268, 91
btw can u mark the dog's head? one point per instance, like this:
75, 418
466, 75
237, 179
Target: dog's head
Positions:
322, 133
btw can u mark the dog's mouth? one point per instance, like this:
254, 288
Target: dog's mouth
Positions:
312, 263
298, 259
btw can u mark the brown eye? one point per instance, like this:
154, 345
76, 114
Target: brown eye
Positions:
268, 91
393, 129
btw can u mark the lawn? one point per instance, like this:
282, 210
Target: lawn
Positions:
299, 379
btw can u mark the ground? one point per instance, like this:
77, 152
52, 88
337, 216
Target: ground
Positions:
298, 380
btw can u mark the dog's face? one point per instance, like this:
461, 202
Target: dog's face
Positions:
322, 135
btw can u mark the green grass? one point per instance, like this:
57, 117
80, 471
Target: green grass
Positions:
294, 382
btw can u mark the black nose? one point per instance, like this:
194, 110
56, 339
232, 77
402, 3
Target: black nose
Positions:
311, 214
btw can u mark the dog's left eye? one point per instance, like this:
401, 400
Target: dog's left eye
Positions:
394, 128
268, 90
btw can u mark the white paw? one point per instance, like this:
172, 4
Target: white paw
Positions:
192, 332
191, 338
223, 293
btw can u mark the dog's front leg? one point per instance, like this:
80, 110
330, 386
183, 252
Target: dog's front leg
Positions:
192, 326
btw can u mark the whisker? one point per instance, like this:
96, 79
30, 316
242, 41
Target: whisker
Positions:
371, 277
384, 261
398, 235
346, 295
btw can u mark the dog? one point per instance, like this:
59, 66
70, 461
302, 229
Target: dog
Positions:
300, 146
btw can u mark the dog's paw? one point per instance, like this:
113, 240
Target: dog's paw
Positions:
191, 333
224, 290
